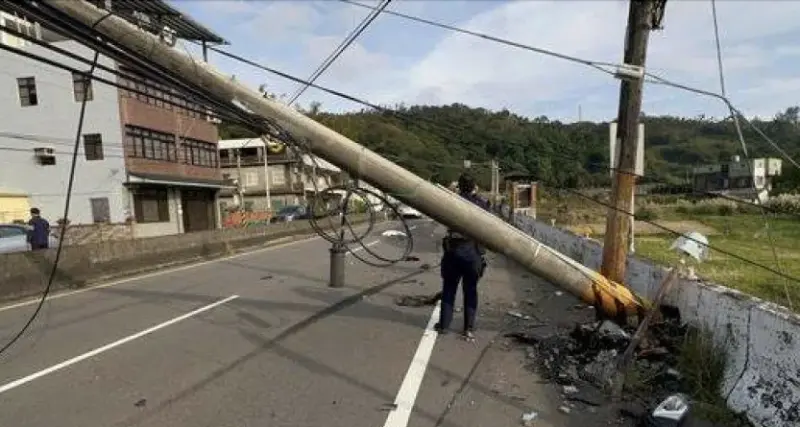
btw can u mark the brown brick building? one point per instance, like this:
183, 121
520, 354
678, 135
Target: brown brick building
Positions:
171, 156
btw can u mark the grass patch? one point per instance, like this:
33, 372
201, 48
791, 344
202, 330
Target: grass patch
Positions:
745, 236
702, 365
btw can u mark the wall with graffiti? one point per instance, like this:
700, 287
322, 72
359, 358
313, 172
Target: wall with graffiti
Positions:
238, 219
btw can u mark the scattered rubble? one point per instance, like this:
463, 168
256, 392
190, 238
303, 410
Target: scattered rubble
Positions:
582, 362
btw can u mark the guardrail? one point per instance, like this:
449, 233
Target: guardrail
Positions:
25, 274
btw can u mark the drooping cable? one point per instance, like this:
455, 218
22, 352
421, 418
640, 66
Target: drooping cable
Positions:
340, 49
63, 227
447, 127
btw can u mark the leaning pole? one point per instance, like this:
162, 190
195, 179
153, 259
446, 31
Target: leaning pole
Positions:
612, 299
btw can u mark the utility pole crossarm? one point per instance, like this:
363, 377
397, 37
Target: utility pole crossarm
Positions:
440, 204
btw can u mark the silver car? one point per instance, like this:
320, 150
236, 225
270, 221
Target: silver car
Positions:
14, 238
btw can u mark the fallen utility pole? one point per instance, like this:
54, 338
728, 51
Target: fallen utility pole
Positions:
444, 206
642, 15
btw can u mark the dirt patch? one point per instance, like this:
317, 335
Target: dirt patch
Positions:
644, 228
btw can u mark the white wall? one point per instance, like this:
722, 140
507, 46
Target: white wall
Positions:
762, 339
53, 122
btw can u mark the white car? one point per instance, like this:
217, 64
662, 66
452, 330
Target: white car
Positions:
14, 238
406, 211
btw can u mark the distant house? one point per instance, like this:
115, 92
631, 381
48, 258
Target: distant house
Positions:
270, 176
746, 179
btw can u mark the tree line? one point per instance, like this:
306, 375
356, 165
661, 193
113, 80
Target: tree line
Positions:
434, 141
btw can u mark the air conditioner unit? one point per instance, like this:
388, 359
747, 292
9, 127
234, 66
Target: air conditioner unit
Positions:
44, 151
45, 155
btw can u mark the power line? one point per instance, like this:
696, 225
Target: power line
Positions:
650, 77
67, 200
410, 119
594, 64
340, 49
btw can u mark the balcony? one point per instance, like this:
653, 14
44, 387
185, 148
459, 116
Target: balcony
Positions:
255, 160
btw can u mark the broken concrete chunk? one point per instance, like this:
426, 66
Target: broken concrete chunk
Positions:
570, 389
528, 418
564, 409
611, 329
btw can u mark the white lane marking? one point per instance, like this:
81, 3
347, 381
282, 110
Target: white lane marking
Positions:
361, 248
16, 383
407, 395
154, 274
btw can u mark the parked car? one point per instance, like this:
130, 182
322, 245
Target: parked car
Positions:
14, 238
290, 213
406, 211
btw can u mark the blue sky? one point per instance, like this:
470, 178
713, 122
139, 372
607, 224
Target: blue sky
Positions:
396, 60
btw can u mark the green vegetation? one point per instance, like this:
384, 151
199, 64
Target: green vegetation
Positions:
750, 237
702, 364
434, 141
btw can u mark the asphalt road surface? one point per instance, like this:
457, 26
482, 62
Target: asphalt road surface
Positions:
259, 339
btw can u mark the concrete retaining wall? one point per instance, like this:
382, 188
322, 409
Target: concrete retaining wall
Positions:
762, 339
25, 274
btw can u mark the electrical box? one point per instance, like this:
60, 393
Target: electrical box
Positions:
613, 144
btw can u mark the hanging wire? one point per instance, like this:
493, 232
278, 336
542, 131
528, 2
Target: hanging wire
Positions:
748, 162
63, 228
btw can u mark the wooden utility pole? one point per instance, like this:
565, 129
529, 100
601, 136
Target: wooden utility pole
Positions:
643, 16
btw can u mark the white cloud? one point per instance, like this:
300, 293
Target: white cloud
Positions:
446, 67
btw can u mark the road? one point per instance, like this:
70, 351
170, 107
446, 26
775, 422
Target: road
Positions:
260, 339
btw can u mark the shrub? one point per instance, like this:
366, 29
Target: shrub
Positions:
646, 214
785, 203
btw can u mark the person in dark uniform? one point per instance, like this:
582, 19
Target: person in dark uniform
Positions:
463, 262
39, 234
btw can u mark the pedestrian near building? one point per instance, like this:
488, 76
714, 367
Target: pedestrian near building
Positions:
462, 262
39, 234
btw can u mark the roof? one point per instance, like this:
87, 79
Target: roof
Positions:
232, 144
157, 179
184, 26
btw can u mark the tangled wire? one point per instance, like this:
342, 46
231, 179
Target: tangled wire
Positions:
345, 234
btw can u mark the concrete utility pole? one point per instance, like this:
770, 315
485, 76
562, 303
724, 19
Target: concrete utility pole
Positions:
240, 178
641, 17
495, 183
451, 210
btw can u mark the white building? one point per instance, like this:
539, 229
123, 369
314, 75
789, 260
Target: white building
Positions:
286, 178
747, 179
146, 156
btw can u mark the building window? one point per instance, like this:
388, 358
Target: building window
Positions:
251, 179
200, 153
101, 211
93, 146
150, 144
151, 205
27, 91
277, 176
82, 87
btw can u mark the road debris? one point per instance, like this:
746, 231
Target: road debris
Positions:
418, 300
529, 417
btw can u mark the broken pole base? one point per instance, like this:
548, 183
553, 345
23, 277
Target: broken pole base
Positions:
338, 252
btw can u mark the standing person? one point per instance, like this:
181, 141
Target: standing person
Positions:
39, 235
463, 262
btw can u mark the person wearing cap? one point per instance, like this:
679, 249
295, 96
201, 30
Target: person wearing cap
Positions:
462, 262
39, 234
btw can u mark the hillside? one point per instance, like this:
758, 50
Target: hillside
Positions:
434, 141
